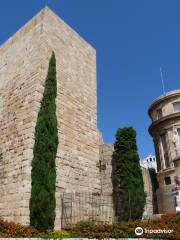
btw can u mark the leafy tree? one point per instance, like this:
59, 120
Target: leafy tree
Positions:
129, 195
42, 202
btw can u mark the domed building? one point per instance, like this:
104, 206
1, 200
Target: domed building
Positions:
165, 130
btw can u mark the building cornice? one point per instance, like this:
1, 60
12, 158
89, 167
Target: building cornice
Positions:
166, 170
162, 98
154, 126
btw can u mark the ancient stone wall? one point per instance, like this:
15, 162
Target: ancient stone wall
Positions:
105, 165
148, 209
106, 151
23, 69
20, 63
78, 150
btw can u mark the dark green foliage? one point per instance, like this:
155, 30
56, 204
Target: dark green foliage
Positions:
42, 202
129, 195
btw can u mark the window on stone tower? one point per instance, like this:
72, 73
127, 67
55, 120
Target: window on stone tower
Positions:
176, 106
159, 113
164, 147
167, 180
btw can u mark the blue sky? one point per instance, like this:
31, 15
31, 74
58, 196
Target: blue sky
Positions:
132, 38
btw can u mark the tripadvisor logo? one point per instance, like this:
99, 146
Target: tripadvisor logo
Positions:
139, 231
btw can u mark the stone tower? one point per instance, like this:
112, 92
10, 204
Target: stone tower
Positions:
23, 68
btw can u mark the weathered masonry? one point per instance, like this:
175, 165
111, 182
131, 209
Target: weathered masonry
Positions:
24, 62
23, 68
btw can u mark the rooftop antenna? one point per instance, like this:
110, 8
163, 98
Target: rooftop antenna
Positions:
162, 81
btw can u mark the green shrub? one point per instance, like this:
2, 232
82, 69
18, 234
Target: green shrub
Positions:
56, 234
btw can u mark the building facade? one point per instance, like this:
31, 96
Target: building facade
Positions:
149, 162
165, 130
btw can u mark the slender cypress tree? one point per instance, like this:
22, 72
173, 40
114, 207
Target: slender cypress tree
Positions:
128, 183
42, 202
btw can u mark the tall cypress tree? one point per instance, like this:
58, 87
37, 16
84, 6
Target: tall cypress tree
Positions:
129, 195
42, 202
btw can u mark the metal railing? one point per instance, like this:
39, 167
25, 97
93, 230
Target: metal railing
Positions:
85, 206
